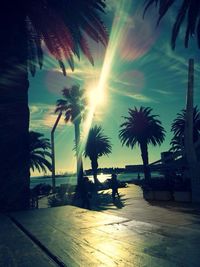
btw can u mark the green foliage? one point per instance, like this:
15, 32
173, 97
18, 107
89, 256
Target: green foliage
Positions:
189, 11
64, 26
56, 201
64, 196
141, 127
97, 144
178, 129
41, 189
73, 105
39, 148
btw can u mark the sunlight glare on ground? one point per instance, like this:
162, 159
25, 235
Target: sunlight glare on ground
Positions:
101, 177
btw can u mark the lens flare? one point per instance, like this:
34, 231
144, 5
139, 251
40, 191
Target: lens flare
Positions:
96, 97
116, 35
139, 35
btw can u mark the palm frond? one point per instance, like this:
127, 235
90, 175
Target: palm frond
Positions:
141, 127
189, 10
98, 144
178, 128
63, 26
73, 104
39, 149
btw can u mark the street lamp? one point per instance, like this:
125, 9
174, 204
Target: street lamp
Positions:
53, 152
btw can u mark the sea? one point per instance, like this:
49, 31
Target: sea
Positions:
127, 177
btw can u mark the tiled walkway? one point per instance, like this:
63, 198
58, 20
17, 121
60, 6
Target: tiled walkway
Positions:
17, 250
132, 233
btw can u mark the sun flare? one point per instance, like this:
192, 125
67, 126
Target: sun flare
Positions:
97, 97
97, 93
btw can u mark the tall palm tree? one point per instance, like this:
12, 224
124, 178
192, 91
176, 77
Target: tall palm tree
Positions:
25, 27
188, 15
97, 145
178, 128
73, 106
39, 148
189, 10
143, 129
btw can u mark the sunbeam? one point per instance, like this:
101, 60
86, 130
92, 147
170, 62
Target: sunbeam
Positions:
98, 95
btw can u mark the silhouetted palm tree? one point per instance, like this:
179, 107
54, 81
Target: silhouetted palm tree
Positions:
97, 145
73, 106
39, 152
178, 128
25, 28
142, 128
189, 11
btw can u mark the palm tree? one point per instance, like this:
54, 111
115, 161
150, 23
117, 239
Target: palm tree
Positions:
25, 26
142, 128
73, 106
178, 128
189, 10
97, 145
39, 150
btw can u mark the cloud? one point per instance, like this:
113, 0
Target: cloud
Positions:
142, 98
162, 92
136, 96
84, 75
42, 117
139, 34
132, 80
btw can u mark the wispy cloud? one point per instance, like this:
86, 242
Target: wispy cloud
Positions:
162, 92
136, 96
130, 80
142, 98
42, 117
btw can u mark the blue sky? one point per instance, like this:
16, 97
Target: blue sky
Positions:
141, 70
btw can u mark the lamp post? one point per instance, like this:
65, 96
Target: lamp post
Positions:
53, 151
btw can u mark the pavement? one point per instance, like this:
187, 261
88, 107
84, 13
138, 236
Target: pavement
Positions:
130, 232
16, 249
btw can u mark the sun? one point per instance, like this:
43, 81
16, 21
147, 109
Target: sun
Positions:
96, 96
97, 92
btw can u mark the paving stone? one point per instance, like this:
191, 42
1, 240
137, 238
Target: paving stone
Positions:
17, 250
139, 234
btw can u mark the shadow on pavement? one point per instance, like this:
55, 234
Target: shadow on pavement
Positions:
177, 206
103, 201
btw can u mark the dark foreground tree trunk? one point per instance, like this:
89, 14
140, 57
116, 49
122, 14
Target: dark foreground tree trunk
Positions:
94, 165
14, 112
145, 159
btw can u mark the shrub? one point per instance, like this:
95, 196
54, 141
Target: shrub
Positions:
57, 200
41, 189
64, 196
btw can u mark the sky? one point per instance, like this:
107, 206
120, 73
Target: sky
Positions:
138, 68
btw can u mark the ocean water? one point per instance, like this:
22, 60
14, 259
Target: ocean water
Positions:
73, 180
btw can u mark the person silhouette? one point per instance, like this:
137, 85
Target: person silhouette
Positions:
85, 194
114, 186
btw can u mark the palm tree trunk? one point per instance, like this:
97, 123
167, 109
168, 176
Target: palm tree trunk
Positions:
94, 164
193, 166
78, 154
14, 111
145, 159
